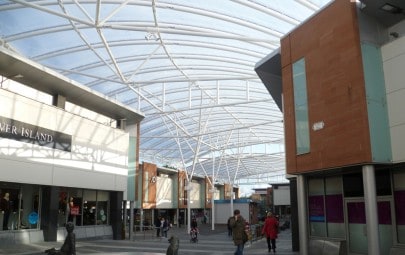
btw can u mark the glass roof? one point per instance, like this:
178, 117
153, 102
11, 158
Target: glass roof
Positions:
187, 65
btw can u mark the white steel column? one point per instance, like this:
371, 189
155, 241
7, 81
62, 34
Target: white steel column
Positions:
213, 210
370, 200
231, 202
188, 188
141, 221
302, 215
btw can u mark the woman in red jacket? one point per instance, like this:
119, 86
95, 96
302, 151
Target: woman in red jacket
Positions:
270, 229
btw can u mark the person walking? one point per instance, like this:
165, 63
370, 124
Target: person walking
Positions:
157, 226
237, 223
229, 227
270, 230
165, 227
5, 209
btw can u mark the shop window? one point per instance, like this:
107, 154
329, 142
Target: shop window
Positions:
89, 207
334, 207
316, 207
325, 207
19, 204
75, 206
399, 200
383, 182
353, 185
63, 207
102, 208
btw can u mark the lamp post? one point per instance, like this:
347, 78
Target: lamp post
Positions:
188, 188
212, 191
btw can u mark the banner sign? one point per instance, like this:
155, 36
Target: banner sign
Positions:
27, 133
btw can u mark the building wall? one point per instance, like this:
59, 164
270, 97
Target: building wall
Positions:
335, 90
164, 194
149, 185
182, 190
209, 192
98, 152
393, 57
195, 195
223, 210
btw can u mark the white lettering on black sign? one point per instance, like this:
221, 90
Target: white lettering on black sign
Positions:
24, 132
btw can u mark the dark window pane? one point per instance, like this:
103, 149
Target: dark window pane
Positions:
353, 185
383, 182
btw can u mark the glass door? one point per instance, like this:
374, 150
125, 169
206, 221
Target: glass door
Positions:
385, 226
357, 230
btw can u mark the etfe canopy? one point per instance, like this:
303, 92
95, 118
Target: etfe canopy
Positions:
187, 65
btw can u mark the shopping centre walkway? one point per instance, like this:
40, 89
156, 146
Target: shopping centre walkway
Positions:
210, 242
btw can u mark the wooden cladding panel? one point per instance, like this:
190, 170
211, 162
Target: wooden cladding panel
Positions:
182, 202
330, 44
208, 195
149, 171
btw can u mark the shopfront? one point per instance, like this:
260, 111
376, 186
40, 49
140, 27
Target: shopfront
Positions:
23, 208
337, 210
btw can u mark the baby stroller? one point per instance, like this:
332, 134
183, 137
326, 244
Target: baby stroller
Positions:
193, 235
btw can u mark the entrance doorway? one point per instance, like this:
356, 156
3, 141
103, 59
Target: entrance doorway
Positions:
357, 228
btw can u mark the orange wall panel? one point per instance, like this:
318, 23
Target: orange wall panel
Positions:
208, 194
148, 186
182, 190
330, 44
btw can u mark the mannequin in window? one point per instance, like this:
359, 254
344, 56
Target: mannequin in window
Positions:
5, 209
71, 205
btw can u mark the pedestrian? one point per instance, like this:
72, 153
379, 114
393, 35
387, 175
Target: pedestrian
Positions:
229, 227
270, 230
194, 223
5, 207
237, 223
162, 221
157, 225
165, 227
180, 221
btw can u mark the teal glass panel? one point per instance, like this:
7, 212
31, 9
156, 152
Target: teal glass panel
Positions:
301, 107
376, 103
131, 168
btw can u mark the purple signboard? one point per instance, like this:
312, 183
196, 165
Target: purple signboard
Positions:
400, 206
316, 209
384, 213
334, 208
356, 212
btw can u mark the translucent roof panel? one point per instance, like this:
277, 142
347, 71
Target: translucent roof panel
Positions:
187, 65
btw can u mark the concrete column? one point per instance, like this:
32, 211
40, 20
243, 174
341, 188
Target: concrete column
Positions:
131, 220
49, 212
59, 101
116, 214
302, 215
370, 201
294, 215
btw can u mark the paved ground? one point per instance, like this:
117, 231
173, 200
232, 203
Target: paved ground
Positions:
210, 242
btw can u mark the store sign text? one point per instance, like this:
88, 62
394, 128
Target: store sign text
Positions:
24, 132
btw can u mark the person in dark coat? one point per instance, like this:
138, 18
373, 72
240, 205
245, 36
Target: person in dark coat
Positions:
157, 225
5, 208
229, 227
237, 223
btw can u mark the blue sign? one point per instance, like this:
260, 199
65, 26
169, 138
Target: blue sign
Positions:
33, 218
